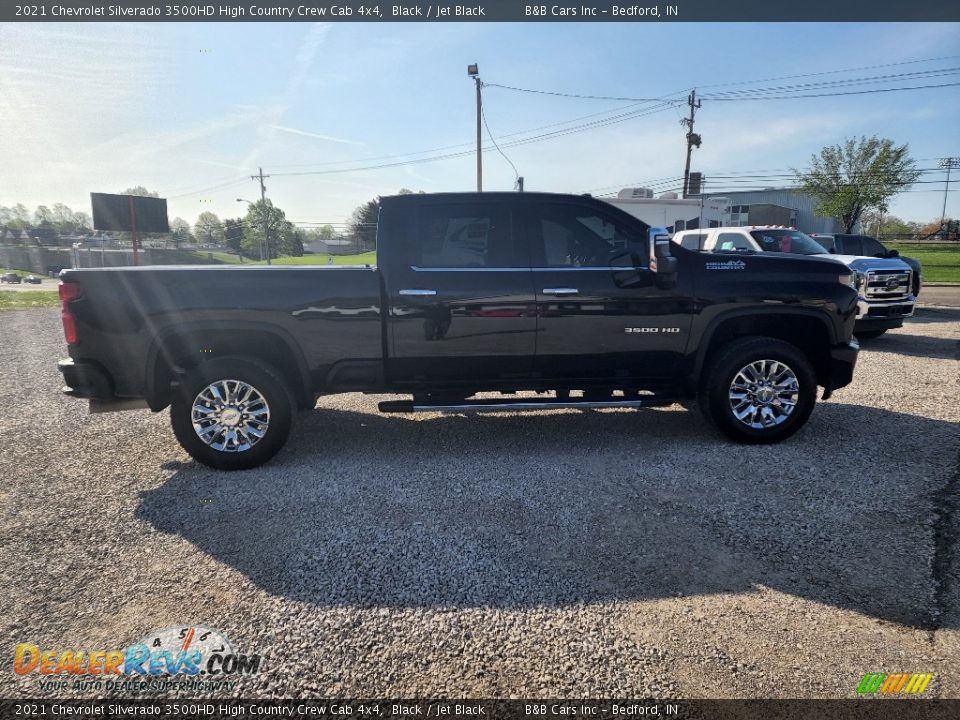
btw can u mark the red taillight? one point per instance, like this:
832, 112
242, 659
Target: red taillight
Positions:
68, 291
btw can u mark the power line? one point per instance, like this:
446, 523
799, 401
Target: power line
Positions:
838, 94
754, 176
516, 143
840, 83
469, 144
234, 183
833, 72
937, 72
483, 114
572, 95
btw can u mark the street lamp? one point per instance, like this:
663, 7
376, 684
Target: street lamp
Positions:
250, 202
474, 72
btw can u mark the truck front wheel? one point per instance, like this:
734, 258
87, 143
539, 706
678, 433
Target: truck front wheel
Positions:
232, 413
759, 390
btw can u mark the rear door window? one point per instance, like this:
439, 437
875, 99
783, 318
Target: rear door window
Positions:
693, 241
732, 242
873, 248
583, 237
852, 245
464, 236
827, 243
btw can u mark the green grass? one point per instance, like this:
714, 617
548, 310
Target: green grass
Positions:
218, 257
14, 300
201, 256
369, 258
941, 262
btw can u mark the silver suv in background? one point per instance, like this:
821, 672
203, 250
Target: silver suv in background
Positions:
884, 285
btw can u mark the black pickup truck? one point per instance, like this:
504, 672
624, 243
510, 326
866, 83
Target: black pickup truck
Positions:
548, 300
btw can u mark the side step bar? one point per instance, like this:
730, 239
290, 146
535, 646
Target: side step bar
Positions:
505, 404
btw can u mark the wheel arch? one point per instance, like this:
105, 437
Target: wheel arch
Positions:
182, 347
807, 330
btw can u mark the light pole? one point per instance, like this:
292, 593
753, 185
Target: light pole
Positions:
948, 163
474, 72
250, 202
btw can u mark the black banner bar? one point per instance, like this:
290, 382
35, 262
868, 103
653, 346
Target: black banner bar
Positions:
481, 11
872, 708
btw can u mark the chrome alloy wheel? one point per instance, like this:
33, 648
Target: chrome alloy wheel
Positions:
764, 393
230, 415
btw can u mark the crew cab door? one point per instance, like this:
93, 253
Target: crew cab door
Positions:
462, 308
588, 325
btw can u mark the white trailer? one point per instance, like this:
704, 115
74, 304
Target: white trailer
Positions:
671, 212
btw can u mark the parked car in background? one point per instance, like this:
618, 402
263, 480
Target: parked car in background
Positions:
884, 285
10, 278
866, 245
33, 279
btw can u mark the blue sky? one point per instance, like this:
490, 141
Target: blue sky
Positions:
189, 110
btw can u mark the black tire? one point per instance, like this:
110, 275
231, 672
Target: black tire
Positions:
266, 382
726, 365
868, 334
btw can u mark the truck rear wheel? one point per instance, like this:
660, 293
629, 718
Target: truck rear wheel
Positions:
759, 390
232, 413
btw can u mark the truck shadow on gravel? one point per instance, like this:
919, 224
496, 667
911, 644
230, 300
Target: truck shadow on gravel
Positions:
557, 509
903, 342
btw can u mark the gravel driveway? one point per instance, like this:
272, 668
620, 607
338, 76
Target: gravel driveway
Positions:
557, 554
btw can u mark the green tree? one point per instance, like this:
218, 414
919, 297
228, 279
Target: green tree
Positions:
63, 219
846, 180
43, 216
291, 241
180, 231
233, 234
82, 222
880, 225
326, 233
363, 223
141, 191
18, 217
282, 237
208, 228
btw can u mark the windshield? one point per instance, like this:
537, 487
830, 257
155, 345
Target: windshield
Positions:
785, 240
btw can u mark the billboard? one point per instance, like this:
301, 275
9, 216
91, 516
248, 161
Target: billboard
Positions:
113, 212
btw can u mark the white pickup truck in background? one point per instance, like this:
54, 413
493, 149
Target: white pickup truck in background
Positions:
883, 284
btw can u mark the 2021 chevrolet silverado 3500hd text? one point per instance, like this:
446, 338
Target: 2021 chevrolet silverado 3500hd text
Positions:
565, 296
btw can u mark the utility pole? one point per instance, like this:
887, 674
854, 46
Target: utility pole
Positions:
474, 72
263, 210
948, 163
692, 137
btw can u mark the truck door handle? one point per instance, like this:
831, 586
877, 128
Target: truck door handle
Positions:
417, 292
560, 291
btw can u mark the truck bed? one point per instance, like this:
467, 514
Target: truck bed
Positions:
124, 311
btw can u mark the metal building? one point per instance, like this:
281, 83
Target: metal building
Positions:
777, 206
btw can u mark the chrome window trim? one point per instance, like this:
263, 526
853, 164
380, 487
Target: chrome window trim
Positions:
607, 268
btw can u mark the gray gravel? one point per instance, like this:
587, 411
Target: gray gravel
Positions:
563, 553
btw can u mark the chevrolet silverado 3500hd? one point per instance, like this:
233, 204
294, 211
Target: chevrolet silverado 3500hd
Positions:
562, 295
